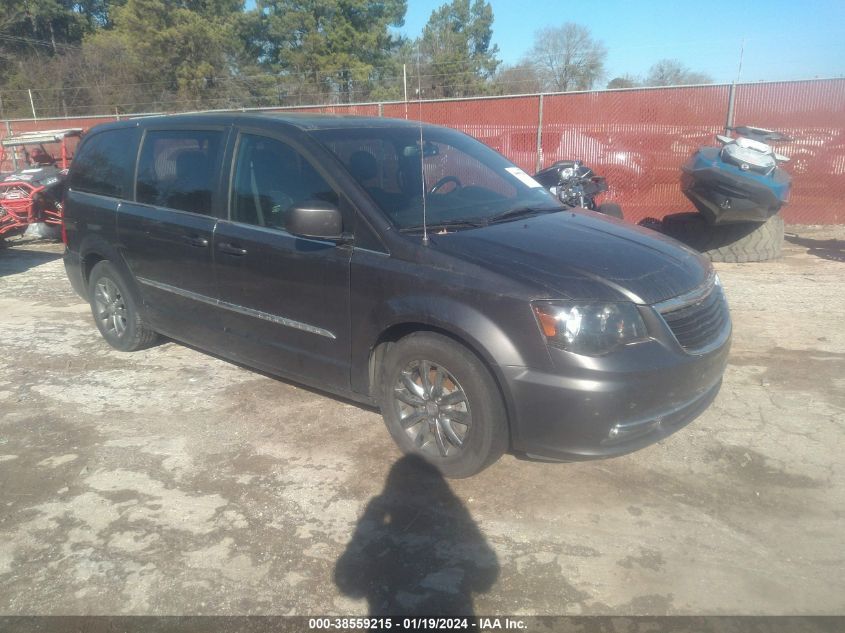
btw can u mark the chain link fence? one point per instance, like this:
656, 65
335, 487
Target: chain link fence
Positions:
637, 138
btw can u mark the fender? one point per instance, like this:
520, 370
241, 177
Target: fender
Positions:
93, 244
478, 332
460, 319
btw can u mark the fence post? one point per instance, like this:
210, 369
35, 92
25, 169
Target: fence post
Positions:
539, 136
381, 109
729, 119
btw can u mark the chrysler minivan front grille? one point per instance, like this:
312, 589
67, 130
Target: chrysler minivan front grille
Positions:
701, 323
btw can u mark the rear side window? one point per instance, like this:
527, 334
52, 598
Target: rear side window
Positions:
176, 169
105, 164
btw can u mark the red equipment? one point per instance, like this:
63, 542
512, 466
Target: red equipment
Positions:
33, 194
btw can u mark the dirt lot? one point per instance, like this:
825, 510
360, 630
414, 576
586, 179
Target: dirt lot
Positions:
170, 482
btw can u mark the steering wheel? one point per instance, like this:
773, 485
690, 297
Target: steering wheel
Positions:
444, 181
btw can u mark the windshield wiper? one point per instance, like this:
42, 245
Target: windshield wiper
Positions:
519, 212
449, 224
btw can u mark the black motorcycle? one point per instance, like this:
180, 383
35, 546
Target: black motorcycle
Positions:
576, 185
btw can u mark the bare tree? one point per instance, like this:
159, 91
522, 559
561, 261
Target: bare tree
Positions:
567, 57
671, 72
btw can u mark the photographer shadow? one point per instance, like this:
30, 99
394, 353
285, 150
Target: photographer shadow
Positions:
416, 550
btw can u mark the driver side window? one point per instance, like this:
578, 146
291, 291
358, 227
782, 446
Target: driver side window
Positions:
270, 178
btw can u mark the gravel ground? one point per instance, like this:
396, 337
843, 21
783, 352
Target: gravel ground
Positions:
170, 482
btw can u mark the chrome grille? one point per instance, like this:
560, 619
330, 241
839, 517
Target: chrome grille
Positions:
701, 323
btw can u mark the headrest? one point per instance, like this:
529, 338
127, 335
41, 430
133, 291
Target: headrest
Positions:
363, 165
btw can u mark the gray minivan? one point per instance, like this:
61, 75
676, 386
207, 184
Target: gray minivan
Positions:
405, 266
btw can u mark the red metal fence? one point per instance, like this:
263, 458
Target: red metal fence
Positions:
638, 138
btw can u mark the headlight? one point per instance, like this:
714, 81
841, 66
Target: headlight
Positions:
589, 327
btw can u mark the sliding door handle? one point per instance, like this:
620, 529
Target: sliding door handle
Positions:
231, 249
194, 240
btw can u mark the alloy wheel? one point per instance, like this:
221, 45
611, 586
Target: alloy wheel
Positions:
110, 307
432, 408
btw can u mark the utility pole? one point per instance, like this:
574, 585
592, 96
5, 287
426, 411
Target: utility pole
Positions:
729, 118
32, 105
739, 68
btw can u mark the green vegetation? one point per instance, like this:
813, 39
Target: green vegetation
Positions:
77, 57
99, 56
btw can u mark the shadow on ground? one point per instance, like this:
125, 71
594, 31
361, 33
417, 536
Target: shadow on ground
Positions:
416, 550
833, 250
17, 260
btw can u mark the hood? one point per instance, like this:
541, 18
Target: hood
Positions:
576, 254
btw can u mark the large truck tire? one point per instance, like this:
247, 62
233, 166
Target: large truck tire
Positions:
732, 243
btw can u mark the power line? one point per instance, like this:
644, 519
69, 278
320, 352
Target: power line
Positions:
30, 40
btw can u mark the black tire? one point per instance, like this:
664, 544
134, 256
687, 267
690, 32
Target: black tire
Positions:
732, 243
115, 310
610, 208
485, 436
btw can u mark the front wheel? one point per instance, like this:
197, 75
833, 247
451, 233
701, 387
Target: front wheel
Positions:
439, 401
116, 311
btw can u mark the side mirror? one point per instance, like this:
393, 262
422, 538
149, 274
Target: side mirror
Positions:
316, 219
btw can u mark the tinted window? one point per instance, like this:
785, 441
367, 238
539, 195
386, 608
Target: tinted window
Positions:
463, 179
270, 178
176, 169
105, 163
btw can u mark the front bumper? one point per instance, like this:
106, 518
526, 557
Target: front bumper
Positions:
607, 406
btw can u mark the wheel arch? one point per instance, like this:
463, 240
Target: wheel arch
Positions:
402, 328
88, 262
95, 249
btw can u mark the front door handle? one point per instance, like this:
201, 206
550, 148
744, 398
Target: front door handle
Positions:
193, 240
231, 249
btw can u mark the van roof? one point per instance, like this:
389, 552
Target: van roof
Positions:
302, 120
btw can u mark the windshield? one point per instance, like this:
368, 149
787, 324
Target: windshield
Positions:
467, 184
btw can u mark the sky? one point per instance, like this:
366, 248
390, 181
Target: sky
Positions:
783, 39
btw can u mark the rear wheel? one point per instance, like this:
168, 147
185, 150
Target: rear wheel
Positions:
733, 243
439, 401
115, 310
